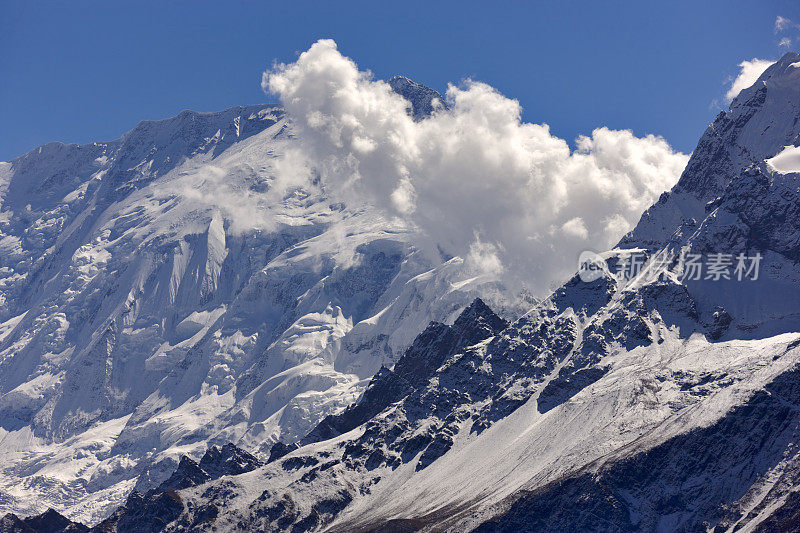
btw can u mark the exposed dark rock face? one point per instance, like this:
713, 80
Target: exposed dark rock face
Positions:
152, 512
188, 474
218, 461
144, 513
477, 385
48, 522
424, 100
228, 460
279, 449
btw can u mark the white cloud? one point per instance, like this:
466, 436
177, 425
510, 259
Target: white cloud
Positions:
483, 257
788, 160
575, 227
782, 23
748, 74
474, 170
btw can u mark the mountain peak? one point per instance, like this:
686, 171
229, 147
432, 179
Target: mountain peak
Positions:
783, 75
788, 64
479, 315
424, 100
760, 122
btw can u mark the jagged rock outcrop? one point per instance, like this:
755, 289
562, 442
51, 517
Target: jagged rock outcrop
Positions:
144, 513
218, 461
228, 460
48, 522
413, 370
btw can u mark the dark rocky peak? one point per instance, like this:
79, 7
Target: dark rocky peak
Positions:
152, 511
279, 449
228, 460
385, 388
144, 513
50, 521
478, 322
585, 298
439, 342
218, 461
424, 100
188, 474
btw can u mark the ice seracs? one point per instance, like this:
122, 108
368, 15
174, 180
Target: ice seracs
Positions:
165, 292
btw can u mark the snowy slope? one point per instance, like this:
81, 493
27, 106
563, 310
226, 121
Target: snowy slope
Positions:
654, 403
164, 292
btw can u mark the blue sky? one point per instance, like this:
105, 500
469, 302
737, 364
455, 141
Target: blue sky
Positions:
84, 71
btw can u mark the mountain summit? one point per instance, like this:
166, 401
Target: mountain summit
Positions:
423, 100
161, 294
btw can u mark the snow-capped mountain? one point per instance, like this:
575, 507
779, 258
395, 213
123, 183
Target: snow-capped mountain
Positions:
645, 402
164, 293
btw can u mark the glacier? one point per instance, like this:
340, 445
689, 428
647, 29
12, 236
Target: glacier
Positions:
164, 292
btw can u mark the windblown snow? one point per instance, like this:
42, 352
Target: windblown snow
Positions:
787, 161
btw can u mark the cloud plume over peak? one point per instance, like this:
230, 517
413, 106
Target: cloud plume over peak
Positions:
749, 72
477, 180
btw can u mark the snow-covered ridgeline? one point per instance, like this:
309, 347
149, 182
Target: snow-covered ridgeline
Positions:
164, 292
